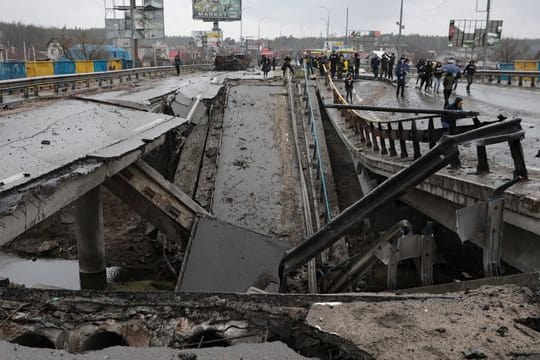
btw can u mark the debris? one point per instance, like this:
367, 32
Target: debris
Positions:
187, 356
47, 247
502, 331
475, 353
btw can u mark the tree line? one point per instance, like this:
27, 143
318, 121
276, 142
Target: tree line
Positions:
16, 35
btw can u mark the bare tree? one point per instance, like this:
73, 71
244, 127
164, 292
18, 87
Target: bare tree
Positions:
510, 50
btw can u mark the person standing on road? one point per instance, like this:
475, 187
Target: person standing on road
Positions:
266, 65
356, 65
470, 70
177, 63
448, 86
384, 66
420, 70
349, 86
437, 75
333, 63
402, 70
375, 63
391, 62
273, 63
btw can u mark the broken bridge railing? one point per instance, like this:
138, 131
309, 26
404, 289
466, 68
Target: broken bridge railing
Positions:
432, 161
382, 135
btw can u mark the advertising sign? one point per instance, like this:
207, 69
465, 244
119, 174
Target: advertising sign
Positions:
207, 38
217, 10
474, 33
148, 20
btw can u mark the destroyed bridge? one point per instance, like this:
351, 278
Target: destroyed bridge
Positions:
293, 223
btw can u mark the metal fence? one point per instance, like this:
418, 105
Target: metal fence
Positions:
34, 85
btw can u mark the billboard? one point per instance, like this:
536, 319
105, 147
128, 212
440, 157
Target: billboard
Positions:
148, 20
474, 33
207, 38
217, 10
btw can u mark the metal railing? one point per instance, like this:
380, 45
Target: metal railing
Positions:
509, 77
35, 84
381, 135
317, 149
392, 188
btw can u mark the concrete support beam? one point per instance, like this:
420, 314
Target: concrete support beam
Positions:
157, 200
90, 240
43, 198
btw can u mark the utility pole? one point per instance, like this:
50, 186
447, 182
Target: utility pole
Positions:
486, 33
327, 21
347, 28
134, 52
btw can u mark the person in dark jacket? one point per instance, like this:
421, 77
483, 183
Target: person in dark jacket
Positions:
333, 63
427, 78
402, 70
349, 86
384, 66
420, 69
448, 86
448, 122
356, 65
375, 63
470, 70
177, 63
391, 62
286, 65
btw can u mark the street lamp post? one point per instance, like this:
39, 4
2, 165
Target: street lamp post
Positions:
259, 31
486, 33
241, 26
327, 21
400, 25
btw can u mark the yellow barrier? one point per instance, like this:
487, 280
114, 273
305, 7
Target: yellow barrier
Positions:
39, 68
526, 65
84, 66
114, 65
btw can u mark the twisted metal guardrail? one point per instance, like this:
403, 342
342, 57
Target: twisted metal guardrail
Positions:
35, 84
431, 162
382, 135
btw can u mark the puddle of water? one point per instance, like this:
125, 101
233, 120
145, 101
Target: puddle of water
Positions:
45, 273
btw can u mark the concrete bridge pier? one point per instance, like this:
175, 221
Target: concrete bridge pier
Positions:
90, 240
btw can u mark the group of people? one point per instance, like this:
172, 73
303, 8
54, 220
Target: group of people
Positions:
432, 74
383, 67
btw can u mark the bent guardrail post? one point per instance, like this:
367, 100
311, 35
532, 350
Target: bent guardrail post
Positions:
389, 190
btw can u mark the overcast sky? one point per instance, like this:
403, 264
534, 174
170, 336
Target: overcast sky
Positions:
296, 17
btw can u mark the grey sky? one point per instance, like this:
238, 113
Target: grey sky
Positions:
295, 17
